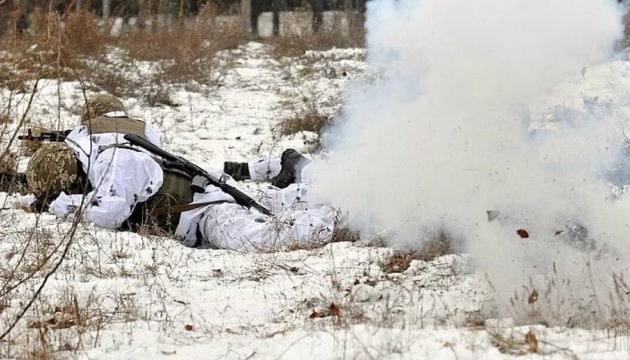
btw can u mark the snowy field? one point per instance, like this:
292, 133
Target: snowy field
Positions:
121, 295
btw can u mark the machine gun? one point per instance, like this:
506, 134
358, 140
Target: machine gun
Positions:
196, 172
38, 135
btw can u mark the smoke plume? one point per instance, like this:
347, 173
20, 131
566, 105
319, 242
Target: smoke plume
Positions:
445, 134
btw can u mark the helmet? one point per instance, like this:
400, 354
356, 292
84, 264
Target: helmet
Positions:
52, 169
99, 105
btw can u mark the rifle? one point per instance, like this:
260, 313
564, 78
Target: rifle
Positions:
54, 136
195, 171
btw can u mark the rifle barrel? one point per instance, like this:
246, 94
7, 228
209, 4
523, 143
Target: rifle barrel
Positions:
194, 170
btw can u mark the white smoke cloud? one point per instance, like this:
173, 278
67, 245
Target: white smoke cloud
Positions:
443, 136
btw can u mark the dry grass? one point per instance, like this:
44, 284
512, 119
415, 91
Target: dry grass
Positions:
81, 48
308, 118
185, 52
400, 261
308, 121
345, 234
10, 180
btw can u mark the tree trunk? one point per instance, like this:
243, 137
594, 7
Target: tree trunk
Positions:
107, 8
318, 14
247, 16
275, 8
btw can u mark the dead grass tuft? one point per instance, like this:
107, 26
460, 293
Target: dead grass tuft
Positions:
308, 121
153, 230
345, 234
438, 246
82, 36
311, 245
400, 261
8, 163
10, 180
518, 345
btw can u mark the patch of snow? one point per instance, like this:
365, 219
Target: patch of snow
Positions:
148, 297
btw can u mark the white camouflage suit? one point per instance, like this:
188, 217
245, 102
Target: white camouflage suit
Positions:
122, 178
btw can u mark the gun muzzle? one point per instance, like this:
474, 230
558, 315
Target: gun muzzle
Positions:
28, 136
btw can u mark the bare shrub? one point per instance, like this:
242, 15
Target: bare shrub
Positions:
185, 51
397, 263
82, 36
309, 120
107, 76
306, 115
8, 164
81, 46
344, 234
51, 50
438, 245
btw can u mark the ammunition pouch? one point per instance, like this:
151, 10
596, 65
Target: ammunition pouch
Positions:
174, 192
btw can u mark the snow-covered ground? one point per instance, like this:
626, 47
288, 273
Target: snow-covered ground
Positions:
121, 295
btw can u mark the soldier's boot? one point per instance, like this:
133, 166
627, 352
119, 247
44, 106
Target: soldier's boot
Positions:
238, 171
292, 163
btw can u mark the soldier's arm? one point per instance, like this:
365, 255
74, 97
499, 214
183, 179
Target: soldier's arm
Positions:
121, 179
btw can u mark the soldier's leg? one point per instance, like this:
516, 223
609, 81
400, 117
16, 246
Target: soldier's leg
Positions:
292, 164
231, 226
257, 170
281, 172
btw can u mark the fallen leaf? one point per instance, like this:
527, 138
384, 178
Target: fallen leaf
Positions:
533, 297
334, 309
522, 233
532, 342
217, 273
